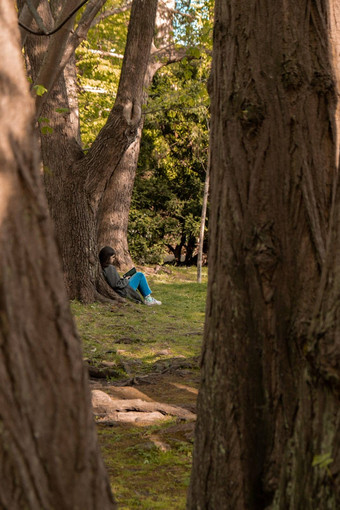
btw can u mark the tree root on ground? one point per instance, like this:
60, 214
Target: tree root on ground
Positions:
109, 410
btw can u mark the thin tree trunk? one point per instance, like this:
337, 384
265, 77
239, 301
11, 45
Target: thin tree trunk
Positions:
203, 218
264, 414
49, 457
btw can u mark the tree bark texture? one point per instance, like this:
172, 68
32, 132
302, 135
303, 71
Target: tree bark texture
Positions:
113, 217
49, 457
75, 182
265, 409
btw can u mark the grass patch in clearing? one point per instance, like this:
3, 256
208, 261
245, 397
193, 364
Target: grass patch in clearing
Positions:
139, 335
145, 473
149, 466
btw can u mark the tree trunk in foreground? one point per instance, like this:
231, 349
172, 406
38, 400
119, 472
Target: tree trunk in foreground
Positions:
49, 457
268, 406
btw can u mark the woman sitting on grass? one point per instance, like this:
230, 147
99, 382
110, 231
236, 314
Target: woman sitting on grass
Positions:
123, 286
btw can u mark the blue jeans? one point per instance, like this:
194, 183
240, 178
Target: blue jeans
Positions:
139, 282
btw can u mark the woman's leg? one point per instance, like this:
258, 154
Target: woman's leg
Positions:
139, 282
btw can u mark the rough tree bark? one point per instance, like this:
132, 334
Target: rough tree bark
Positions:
75, 182
114, 211
269, 398
113, 218
49, 456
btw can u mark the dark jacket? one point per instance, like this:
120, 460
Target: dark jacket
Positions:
120, 285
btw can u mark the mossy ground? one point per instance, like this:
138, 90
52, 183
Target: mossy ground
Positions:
149, 465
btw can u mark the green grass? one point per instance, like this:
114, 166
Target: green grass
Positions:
143, 476
149, 466
140, 335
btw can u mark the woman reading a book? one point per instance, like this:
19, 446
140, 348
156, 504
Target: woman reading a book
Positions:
130, 283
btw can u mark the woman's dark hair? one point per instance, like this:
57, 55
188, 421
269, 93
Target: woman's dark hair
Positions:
105, 254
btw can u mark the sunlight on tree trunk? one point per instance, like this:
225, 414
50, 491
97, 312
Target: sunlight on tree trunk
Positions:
203, 218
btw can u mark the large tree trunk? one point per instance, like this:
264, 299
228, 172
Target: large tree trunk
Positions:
113, 217
76, 182
114, 211
264, 411
49, 456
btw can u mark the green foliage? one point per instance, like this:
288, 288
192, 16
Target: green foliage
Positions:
40, 90
167, 199
99, 71
145, 234
196, 29
45, 128
322, 461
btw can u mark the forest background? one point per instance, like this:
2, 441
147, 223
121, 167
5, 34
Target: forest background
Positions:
165, 213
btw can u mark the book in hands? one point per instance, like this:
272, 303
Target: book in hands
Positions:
130, 273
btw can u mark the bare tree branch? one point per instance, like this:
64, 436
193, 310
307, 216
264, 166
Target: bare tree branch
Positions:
35, 15
43, 30
168, 54
62, 46
26, 17
107, 53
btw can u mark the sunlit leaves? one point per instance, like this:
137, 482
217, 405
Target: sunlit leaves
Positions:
40, 90
322, 461
195, 28
99, 63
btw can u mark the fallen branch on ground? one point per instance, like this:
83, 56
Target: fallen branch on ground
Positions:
119, 410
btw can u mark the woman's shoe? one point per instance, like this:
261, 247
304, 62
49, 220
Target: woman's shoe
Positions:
150, 301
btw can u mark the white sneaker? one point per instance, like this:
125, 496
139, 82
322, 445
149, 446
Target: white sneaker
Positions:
150, 301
